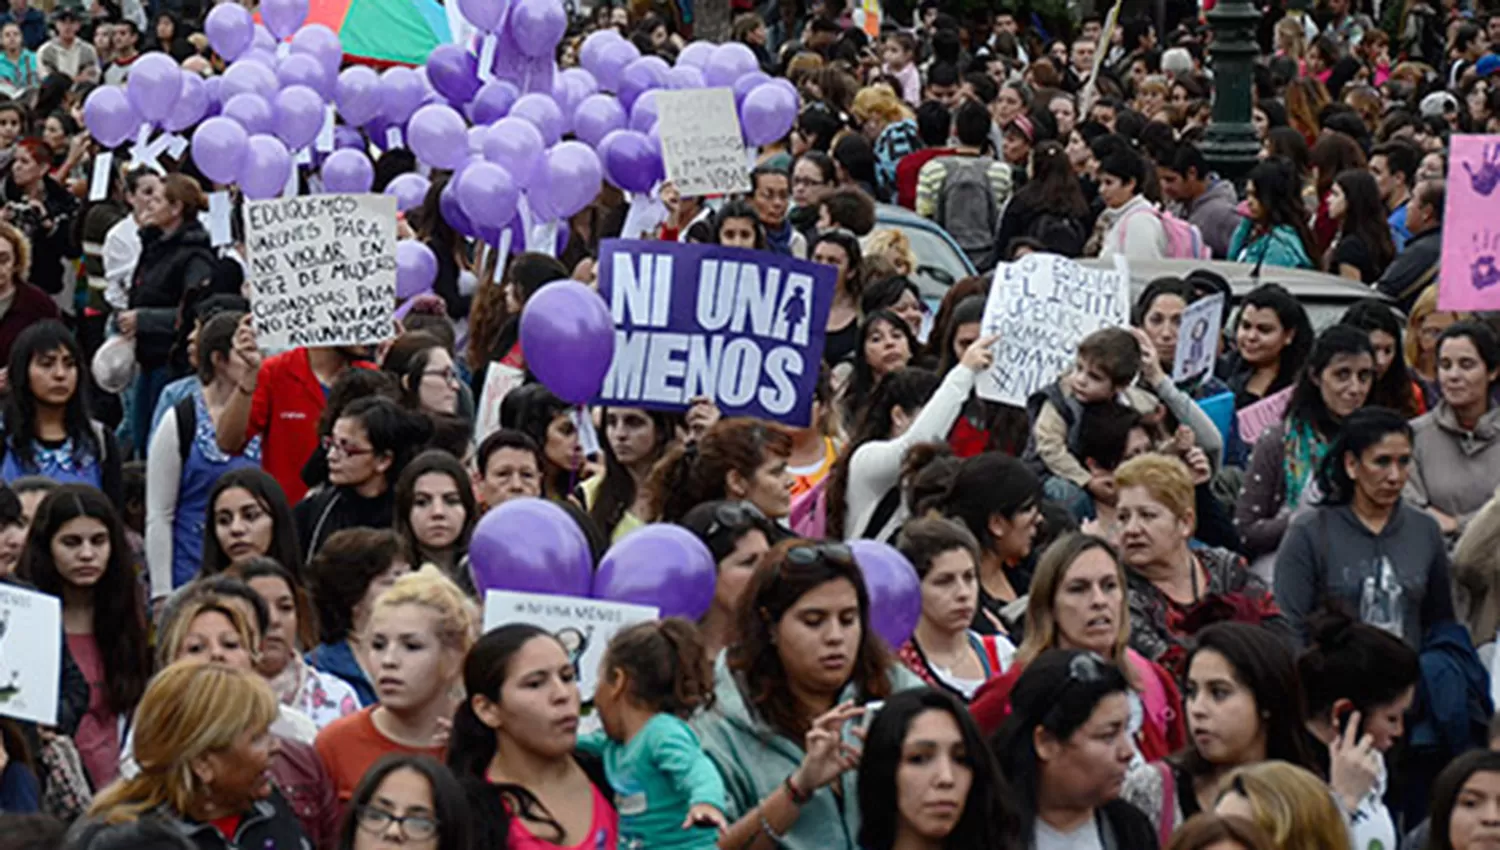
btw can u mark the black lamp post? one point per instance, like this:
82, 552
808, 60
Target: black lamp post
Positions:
1230, 144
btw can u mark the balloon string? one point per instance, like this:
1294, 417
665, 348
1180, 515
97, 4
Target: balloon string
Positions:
573, 474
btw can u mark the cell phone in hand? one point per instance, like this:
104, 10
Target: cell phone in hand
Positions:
871, 708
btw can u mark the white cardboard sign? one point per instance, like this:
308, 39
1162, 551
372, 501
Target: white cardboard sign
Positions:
30, 654
701, 144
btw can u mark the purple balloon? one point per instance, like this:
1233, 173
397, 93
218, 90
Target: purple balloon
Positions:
631, 161
108, 115
215, 88
493, 101
283, 17
596, 117
746, 84
300, 69
588, 54
767, 114
299, 116
219, 147
574, 177
485, 14
568, 340
347, 138
452, 212
537, 26
230, 29
191, 105
685, 77
530, 546
416, 268
266, 169
453, 71
246, 77
643, 113
728, 63
260, 56
348, 171
357, 94
438, 136
252, 112
581, 80
543, 113
895, 591
516, 145
486, 193
262, 39
401, 93
321, 43
154, 86
611, 62
695, 54
663, 565
639, 77
410, 190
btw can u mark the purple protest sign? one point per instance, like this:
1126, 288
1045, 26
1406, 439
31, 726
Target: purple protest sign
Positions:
745, 328
1470, 270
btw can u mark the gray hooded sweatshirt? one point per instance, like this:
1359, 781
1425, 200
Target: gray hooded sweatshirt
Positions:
1397, 579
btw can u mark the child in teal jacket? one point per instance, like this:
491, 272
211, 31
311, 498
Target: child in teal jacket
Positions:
1281, 246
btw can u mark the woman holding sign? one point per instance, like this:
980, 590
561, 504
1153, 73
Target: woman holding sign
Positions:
177, 257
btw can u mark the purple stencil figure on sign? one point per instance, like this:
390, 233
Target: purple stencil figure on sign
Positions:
1489, 171
1483, 272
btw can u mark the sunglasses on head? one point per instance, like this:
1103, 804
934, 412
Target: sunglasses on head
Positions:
734, 517
829, 553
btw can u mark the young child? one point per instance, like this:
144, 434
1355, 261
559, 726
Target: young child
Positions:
653, 677
900, 53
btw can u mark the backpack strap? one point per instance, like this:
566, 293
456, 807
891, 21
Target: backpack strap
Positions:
991, 655
883, 513
1123, 223
186, 413
1164, 823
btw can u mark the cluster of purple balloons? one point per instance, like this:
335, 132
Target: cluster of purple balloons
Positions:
534, 546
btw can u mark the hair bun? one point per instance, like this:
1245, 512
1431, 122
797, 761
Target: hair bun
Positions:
1330, 628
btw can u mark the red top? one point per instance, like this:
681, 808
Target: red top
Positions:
227, 825
285, 409
350, 745
908, 168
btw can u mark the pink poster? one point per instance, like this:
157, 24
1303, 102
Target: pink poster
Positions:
1470, 276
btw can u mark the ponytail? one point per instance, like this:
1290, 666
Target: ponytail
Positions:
666, 664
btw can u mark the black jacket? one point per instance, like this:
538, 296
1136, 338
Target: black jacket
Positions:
332, 509
269, 825
50, 230
1413, 269
170, 267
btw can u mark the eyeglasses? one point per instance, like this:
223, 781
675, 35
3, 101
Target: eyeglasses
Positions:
332, 446
830, 553
447, 375
413, 827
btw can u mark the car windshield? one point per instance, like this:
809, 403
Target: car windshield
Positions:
939, 264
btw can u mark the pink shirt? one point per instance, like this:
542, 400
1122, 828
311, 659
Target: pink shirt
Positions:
604, 831
98, 738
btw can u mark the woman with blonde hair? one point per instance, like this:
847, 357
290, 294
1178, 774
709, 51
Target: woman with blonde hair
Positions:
1424, 327
1291, 40
1207, 831
418, 635
893, 244
890, 125
1077, 601
1291, 804
204, 744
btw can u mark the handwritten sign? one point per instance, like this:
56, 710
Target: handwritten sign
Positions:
1042, 306
1198, 339
1256, 418
744, 328
584, 626
701, 143
499, 380
30, 654
1469, 278
322, 269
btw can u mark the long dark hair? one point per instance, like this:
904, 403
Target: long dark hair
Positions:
988, 820
1278, 188
450, 806
1058, 692
285, 547
695, 473
1263, 663
968, 311
775, 586
435, 461
1363, 429
1292, 316
1053, 186
862, 380
1394, 388
1306, 405
907, 389
739, 209
472, 745
119, 613
21, 408
617, 492
1448, 785
986, 485
1364, 216
536, 407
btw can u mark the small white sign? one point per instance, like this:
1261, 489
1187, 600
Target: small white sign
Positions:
393, 137
325, 135
99, 182
1198, 337
321, 269
701, 144
1041, 307
499, 381
584, 626
220, 207
30, 654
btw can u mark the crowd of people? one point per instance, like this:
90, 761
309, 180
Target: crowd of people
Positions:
1140, 626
